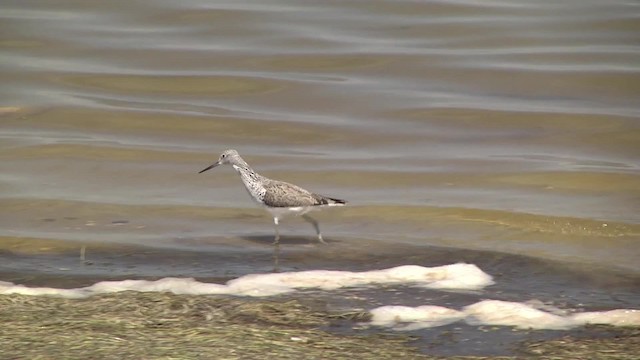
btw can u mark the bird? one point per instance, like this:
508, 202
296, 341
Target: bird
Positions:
278, 197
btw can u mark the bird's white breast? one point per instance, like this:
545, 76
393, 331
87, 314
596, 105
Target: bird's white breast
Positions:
252, 184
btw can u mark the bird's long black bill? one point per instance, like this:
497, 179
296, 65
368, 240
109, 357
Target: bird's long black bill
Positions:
209, 167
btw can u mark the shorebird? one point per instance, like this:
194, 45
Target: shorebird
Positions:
278, 197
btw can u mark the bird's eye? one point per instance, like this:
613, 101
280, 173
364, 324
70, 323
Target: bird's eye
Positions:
224, 156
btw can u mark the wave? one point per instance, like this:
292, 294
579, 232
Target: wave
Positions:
454, 277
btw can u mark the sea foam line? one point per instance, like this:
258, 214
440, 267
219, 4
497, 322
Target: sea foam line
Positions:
496, 313
402, 318
456, 276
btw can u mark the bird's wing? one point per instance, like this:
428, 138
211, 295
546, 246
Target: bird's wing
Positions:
282, 194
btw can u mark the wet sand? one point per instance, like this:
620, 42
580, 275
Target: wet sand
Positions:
134, 325
557, 284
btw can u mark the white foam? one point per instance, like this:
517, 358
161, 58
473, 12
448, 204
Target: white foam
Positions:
498, 313
520, 315
619, 317
414, 318
533, 315
456, 276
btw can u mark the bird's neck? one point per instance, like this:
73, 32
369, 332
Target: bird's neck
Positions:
246, 172
252, 181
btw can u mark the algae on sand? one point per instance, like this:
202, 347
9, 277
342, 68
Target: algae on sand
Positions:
135, 325
138, 325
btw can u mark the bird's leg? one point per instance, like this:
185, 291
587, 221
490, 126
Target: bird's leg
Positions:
315, 226
276, 241
276, 258
276, 250
83, 251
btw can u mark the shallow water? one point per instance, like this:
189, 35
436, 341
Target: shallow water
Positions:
482, 308
511, 127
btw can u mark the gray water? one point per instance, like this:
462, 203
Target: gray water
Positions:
503, 126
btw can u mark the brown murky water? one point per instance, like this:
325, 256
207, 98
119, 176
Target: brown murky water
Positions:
506, 126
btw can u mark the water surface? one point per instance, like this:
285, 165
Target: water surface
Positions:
503, 126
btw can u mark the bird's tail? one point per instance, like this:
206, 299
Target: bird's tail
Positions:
331, 201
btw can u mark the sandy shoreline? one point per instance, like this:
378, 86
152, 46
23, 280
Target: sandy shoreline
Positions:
164, 326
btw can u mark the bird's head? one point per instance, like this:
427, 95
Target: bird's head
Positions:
227, 157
